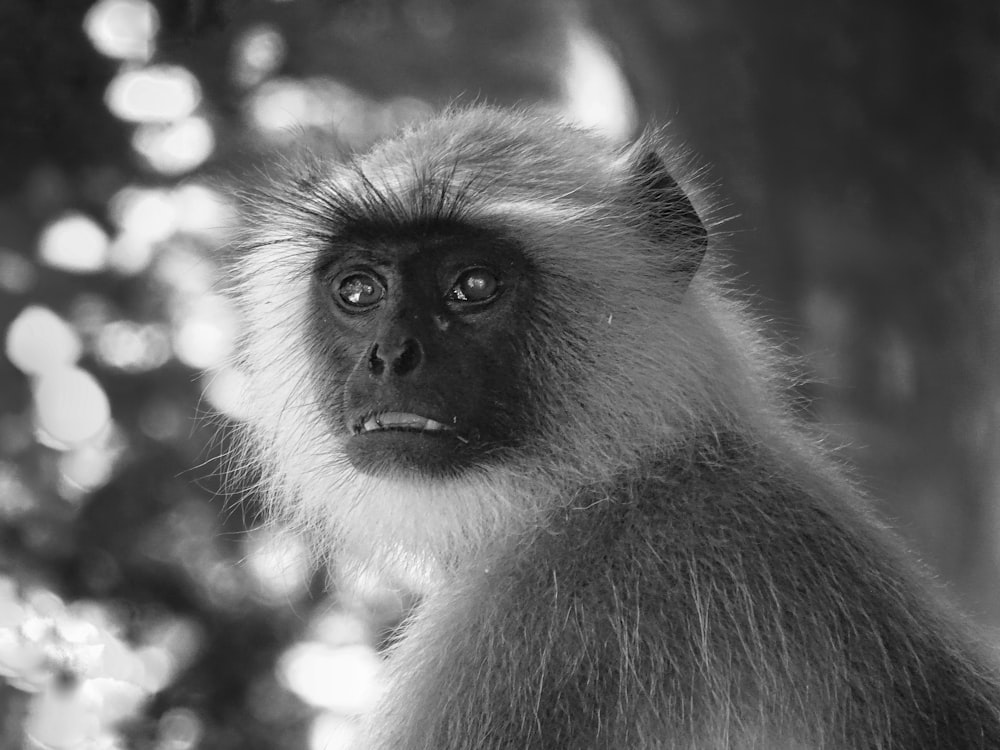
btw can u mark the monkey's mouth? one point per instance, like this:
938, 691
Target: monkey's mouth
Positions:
400, 443
399, 421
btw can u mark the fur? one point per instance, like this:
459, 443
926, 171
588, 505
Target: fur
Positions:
674, 562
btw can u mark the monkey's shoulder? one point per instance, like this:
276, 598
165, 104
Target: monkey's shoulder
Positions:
714, 499
656, 568
708, 527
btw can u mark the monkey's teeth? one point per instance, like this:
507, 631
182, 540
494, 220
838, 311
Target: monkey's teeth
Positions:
401, 420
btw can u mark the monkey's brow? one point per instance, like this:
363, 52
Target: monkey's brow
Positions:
355, 251
424, 199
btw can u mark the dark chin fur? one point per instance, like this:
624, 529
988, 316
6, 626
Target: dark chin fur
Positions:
408, 453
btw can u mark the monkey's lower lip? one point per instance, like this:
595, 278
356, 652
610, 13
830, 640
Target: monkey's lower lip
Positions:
398, 420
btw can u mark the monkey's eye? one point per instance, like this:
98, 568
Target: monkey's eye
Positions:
474, 285
360, 291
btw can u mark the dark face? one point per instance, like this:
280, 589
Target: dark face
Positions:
422, 332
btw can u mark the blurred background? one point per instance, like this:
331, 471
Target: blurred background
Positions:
854, 147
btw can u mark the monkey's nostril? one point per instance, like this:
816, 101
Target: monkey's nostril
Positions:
401, 360
408, 358
375, 365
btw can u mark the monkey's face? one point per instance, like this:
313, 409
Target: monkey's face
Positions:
420, 329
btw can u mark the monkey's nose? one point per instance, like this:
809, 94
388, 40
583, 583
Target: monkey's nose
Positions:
400, 359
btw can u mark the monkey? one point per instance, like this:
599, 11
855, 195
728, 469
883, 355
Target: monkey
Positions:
495, 349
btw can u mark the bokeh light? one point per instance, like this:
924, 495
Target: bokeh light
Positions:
63, 718
258, 52
340, 626
17, 498
282, 107
343, 678
83, 677
39, 341
74, 243
179, 729
202, 211
225, 389
88, 467
176, 147
158, 93
167, 648
596, 94
205, 335
89, 312
132, 347
185, 272
129, 254
279, 562
71, 407
143, 212
124, 29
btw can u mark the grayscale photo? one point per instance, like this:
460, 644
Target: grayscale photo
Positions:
499, 375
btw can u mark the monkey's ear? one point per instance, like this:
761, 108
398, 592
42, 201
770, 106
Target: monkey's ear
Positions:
670, 213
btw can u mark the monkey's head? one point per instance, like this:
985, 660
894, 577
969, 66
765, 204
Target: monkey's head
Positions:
486, 301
